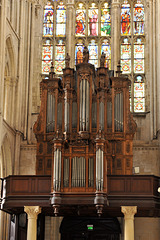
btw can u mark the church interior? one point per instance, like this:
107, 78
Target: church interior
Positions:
79, 120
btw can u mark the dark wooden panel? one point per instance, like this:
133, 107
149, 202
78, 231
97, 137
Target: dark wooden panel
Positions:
20, 185
142, 186
116, 185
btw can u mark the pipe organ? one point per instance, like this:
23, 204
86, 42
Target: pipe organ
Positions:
84, 132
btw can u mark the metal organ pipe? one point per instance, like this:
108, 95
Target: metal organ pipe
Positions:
57, 170
84, 105
78, 172
99, 170
50, 112
118, 110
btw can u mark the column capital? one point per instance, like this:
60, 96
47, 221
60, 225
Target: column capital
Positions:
129, 211
32, 211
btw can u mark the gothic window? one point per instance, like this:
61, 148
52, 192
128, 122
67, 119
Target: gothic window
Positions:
94, 23
80, 20
61, 20
48, 20
59, 57
54, 30
93, 20
106, 48
139, 100
132, 50
93, 53
126, 56
79, 52
47, 52
105, 20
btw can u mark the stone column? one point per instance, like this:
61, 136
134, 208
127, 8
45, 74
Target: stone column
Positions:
115, 33
32, 212
70, 31
129, 212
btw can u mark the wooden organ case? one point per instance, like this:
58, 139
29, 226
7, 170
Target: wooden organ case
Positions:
84, 132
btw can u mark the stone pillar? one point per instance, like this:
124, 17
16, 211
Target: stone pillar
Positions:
115, 33
70, 48
129, 212
32, 212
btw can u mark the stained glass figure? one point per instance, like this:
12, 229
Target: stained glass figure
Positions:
59, 57
48, 20
138, 18
105, 20
93, 53
139, 56
106, 48
80, 20
61, 20
93, 20
47, 52
126, 56
79, 52
139, 99
125, 18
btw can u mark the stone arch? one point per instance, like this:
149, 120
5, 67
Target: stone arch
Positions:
9, 81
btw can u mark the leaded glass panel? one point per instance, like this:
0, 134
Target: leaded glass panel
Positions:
80, 20
48, 20
138, 18
93, 53
125, 18
105, 20
93, 20
47, 52
59, 57
106, 48
61, 20
79, 52
139, 100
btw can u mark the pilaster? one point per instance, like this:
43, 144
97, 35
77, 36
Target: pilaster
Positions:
129, 212
32, 212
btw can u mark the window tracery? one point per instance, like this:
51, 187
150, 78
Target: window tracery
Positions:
132, 50
93, 29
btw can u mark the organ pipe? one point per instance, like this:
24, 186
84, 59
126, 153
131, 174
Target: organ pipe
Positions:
57, 170
50, 112
78, 172
99, 170
118, 112
84, 105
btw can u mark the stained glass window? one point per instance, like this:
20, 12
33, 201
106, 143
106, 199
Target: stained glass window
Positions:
139, 56
59, 57
93, 53
138, 18
106, 48
61, 20
125, 18
139, 99
48, 20
93, 20
79, 52
80, 20
47, 52
105, 20
126, 56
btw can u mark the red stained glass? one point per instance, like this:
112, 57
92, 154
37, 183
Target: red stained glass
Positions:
125, 18
80, 21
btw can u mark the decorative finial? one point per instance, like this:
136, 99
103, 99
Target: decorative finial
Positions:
85, 55
67, 59
102, 59
119, 72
